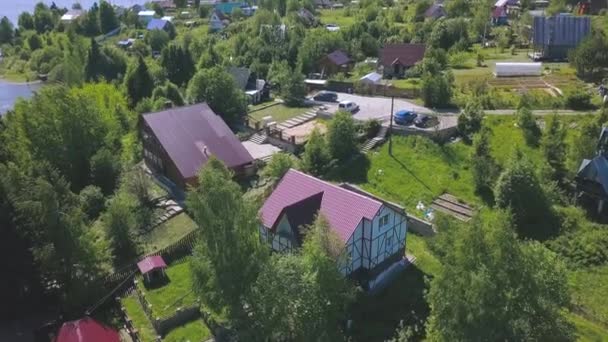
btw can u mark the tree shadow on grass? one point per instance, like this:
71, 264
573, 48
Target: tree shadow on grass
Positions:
376, 317
352, 171
487, 196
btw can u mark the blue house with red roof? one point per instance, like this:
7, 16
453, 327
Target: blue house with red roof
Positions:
372, 230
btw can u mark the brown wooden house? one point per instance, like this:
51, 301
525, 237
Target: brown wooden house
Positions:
395, 59
177, 142
335, 62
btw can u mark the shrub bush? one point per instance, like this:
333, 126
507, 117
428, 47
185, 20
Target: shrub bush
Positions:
578, 99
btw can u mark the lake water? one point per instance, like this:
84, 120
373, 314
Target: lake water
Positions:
12, 8
10, 92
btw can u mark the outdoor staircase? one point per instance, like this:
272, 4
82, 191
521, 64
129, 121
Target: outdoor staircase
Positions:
298, 120
375, 141
258, 138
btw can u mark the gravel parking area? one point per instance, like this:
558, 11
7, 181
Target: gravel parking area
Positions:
375, 107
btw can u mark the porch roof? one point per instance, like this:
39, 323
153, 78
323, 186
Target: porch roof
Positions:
151, 263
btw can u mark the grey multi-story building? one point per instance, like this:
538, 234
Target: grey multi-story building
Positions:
554, 36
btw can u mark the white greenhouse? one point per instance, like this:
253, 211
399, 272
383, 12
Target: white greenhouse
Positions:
518, 69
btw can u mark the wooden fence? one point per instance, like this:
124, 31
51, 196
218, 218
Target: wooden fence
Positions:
176, 251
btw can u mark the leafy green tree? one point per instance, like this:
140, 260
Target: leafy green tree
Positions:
229, 256
90, 22
471, 119
420, 9
342, 136
587, 58
493, 287
437, 89
316, 157
291, 295
485, 169
70, 71
108, 63
316, 44
16, 257
278, 73
527, 123
519, 189
139, 83
158, 9
93, 69
43, 18
450, 33
86, 119
26, 21
105, 170
554, 150
92, 201
120, 225
64, 249
157, 39
178, 64
293, 90
217, 88
108, 20
7, 32
169, 92
279, 164
34, 42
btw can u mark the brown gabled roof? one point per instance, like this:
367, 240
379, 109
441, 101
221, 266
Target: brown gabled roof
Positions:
338, 57
190, 135
403, 54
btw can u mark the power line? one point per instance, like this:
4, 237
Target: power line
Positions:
102, 300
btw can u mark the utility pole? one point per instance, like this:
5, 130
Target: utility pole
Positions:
390, 128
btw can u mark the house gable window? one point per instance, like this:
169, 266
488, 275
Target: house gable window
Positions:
383, 221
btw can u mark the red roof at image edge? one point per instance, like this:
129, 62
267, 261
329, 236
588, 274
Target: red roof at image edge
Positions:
86, 330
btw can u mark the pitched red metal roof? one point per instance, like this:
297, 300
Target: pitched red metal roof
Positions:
191, 134
151, 263
404, 54
342, 208
86, 330
339, 57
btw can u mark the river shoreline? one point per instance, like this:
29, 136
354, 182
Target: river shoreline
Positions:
5, 81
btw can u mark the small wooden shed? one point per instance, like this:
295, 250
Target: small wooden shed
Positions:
152, 268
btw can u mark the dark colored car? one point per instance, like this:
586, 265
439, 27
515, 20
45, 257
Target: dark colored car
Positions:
405, 117
422, 120
326, 96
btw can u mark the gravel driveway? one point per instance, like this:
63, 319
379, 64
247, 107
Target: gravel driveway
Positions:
375, 107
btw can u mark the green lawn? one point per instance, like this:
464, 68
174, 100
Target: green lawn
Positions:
138, 316
278, 112
194, 331
168, 233
587, 331
425, 260
590, 293
418, 170
408, 83
176, 293
338, 17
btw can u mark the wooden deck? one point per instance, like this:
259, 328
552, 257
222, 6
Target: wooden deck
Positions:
450, 205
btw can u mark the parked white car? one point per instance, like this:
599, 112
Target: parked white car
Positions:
348, 106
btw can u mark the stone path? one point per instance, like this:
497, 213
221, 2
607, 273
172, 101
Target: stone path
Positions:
298, 120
